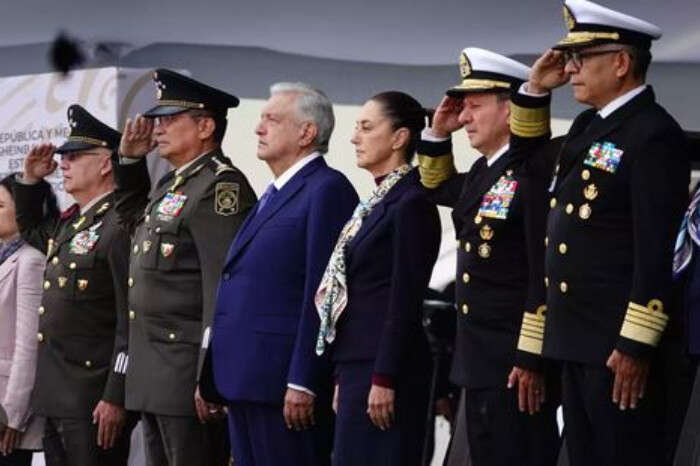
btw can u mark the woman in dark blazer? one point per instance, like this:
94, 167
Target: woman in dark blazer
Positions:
21, 272
370, 299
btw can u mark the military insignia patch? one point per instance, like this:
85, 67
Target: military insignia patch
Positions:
85, 241
465, 68
226, 200
167, 249
171, 205
604, 156
496, 203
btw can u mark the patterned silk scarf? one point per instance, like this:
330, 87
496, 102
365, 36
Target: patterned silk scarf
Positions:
688, 237
9, 248
332, 295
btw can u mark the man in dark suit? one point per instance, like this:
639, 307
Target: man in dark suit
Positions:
618, 193
265, 326
83, 328
499, 211
180, 238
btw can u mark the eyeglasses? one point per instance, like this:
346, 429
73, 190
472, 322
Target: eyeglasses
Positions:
576, 56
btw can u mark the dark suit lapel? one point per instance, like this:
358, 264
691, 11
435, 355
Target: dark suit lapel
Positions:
476, 187
255, 221
373, 219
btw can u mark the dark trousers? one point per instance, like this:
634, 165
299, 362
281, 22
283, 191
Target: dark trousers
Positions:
500, 435
260, 437
184, 441
357, 440
17, 458
598, 433
73, 442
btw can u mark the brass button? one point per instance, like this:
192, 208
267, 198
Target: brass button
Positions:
478, 219
40, 337
465, 277
563, 248
171, 336
136, 248
546, 241
42, 310
467, 246
484, 250
148, 218
465, 309
72, 265
131, 281
569, 208
553, 203
586, 175
54, 261
88, 364
47, 284
563, 287
157, 229
132, 315
546, 281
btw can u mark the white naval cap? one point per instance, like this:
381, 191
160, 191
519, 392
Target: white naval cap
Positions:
485, 71
591, 24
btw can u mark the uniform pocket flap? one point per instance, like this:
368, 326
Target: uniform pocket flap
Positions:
174, 332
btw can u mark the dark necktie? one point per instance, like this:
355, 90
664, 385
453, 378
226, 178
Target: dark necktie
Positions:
167, 177
266, 197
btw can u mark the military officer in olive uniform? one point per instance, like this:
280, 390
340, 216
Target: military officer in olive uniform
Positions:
82, 358
180, 238
499, 212
618, 194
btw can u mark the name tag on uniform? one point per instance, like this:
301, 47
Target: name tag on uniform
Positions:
171, 205
85, 241
604, 156
496, 203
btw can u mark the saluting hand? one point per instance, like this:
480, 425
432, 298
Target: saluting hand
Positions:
381, 406
298, 409
548, 73
137, 138
39, 163
446, 117
630, 379
109, 419
531, 392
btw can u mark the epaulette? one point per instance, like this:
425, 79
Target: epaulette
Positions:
220, 166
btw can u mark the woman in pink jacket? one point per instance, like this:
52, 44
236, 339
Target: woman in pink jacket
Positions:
21, 271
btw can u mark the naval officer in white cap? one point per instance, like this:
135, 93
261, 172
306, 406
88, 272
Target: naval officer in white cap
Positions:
617, 196
499, 211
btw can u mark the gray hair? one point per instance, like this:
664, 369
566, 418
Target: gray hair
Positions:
311, 104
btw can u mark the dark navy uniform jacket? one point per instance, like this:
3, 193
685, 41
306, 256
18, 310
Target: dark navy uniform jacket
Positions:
499, 214
618, 194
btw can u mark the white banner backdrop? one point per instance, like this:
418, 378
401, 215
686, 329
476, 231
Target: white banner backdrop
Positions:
33, 110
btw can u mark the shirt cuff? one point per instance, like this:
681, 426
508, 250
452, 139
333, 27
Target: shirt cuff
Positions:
299, 388
427, 135
525, 89
20, 179
382, 381
124, 160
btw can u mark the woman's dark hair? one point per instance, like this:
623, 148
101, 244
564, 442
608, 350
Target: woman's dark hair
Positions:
404, 112
50, 203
